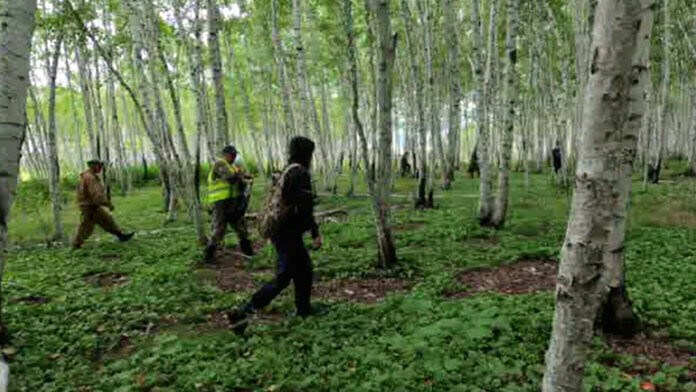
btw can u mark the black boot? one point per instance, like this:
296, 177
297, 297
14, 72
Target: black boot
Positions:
239, 318
209, 253
125, 237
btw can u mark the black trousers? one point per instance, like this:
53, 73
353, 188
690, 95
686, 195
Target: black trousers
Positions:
294, 264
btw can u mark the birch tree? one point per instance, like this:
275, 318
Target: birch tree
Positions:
511, 96
455, 90
386, 54
17, 18
486, 200
54, 165
614, 107
221, 137
378, 184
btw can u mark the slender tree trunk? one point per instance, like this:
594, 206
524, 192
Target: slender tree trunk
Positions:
387, 251
486, 202
511, 98
417, 77
434, 107
614, 109
54, 165
86, 97
16, 30
455, 90
282, 72
482, 139
663, 108
386, 55
306, 95
692, 130
221, 137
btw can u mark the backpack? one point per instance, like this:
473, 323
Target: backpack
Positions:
275, 210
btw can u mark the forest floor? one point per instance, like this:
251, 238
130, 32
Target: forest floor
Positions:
467, 309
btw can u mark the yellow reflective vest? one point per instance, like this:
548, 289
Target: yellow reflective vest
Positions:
218, 188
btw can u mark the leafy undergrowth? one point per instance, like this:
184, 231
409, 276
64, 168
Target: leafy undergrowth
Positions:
144, 316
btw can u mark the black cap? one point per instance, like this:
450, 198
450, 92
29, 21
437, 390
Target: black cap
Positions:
230, 150
94, 162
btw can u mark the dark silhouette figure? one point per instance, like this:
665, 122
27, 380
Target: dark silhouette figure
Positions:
473, 164
405, 166
557, 158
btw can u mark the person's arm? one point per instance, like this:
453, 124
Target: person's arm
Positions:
223, 172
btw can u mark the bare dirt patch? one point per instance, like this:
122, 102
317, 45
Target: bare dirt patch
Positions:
653, 348
232, 271
649, 354
525, 277
367, 291
233, 274
106, 279
31, 300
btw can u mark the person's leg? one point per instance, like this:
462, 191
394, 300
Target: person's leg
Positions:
284, 273
240, 228
219, 231
86, 227
302, 278
106, 221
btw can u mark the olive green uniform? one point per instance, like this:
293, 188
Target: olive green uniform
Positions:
226, 194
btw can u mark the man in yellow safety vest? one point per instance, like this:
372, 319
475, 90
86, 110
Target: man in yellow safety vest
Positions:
226, 194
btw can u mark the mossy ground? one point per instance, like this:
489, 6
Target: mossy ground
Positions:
152, 330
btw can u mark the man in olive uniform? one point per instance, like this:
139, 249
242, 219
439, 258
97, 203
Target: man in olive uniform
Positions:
93, 204
226, 193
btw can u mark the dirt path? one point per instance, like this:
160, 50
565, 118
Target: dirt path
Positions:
525, 277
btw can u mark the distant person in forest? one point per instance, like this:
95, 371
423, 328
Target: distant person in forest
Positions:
293, 195
405, 166
93, 204
227, 185
557, 158
473, 164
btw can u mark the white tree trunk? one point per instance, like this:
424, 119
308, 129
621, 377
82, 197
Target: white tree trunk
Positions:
282, 72
511, 97
663, 107
386, 55
486, 202
221, 137
54, 165
614, 107
16, 30
421, 129
86, 98
455, 90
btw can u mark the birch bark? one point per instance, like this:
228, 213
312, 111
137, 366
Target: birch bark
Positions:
511, 97
54, 165
614, 108
17, 18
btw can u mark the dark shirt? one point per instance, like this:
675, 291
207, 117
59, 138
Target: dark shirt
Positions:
297, 193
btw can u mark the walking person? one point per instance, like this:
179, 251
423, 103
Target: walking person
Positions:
93, 205
227, 185
291, 206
